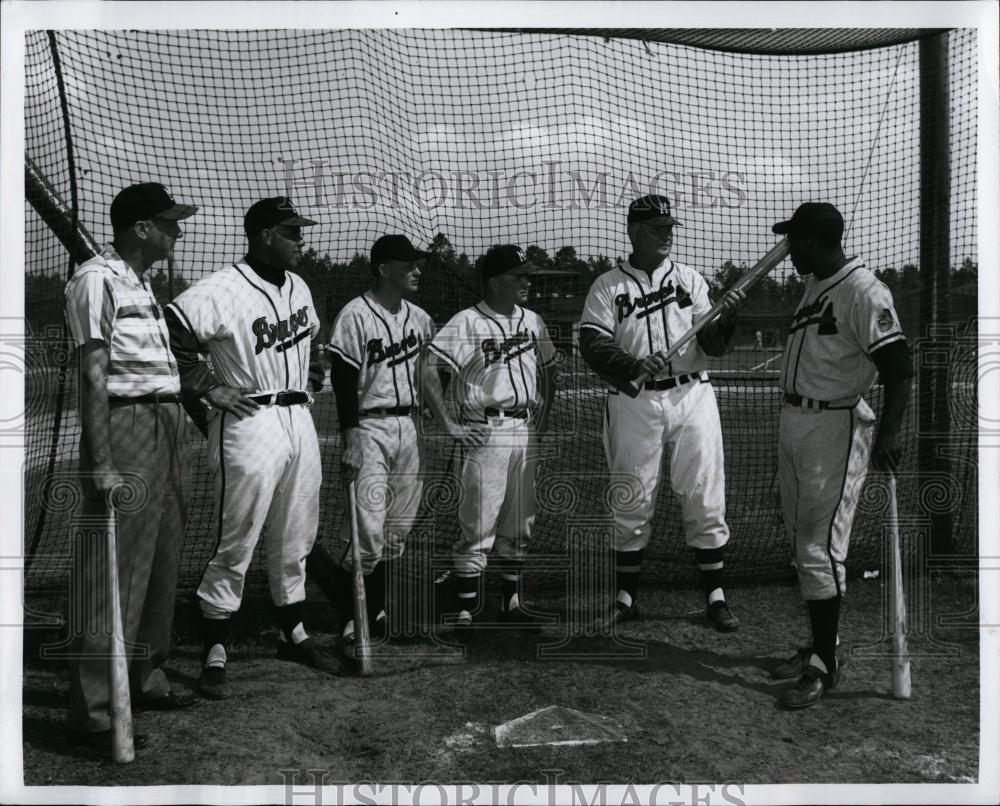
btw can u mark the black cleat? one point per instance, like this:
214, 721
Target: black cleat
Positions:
809, 690
307, 653
721, 617
518, 619
100, 740
173, 700
797, 664
213, 683
618, 613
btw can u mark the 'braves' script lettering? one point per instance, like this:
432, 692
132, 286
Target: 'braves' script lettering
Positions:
271, 333
626, 304
507, 348
818, 312
378, 352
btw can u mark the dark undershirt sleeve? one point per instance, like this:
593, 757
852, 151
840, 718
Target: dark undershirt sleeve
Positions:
344, 379
614, 364
714, 338
893, 361
196, 377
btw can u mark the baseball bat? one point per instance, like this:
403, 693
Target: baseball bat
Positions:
122, 747
772, 258
362, 645
900, 653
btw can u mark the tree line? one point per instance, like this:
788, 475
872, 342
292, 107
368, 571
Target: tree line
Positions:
450, 282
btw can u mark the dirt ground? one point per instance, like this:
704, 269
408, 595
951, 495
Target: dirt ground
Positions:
696, 705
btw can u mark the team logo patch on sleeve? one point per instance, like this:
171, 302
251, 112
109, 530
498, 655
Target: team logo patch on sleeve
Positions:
885, 320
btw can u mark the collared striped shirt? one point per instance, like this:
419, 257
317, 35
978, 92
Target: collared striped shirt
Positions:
107, 302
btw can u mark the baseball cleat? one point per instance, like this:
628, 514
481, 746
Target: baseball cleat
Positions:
462, 628
809, 690
379, 627
213, 683
307, 653
719, 615
101, 740
618, 613
796, 665
346, 644
173, 700
517, 618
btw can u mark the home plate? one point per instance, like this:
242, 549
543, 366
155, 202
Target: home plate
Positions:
556, 725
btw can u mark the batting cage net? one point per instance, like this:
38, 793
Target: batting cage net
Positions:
465, 139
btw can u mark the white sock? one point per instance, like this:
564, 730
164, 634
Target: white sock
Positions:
816, 661
348, 633
464, 617
716, 596
216, 656
299, 634
625, 598
514, 602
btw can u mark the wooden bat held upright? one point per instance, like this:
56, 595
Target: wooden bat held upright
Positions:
900, 653
122, 747
362, 642
772, 258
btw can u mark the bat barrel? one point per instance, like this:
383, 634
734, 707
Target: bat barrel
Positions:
122, 745
362, 646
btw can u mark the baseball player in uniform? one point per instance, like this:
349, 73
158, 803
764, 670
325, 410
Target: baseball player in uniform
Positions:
495, 352
256, 320
633, 314
844, 331
377, 341
132, 435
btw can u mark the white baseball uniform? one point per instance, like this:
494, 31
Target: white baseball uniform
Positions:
494, 360
385, 347
644, 314
826, 426
266, 467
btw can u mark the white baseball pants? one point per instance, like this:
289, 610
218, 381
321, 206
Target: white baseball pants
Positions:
267, 473
497, 497
684, 423
388, 489
822, 463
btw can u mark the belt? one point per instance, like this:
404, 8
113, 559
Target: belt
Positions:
808, 403
115, 402
398, 411
286, 398
517, 414
670, 383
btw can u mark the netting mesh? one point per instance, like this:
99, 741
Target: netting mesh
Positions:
462, 140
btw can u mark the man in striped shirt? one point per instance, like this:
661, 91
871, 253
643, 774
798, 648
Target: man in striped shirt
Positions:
132, 427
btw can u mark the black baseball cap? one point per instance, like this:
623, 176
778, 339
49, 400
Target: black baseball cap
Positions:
144, 201
506, 259
273, 212
813, 219
395, 247
650, 207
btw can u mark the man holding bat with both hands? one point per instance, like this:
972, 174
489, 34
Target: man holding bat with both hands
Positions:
633, 315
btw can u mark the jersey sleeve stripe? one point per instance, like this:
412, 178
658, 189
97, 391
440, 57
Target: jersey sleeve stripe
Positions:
885, 340
451, 361
350, 360
598, 326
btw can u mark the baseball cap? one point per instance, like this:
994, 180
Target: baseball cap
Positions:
506, 259
395, 247
146, 200
649, 207
271, 212
816, 219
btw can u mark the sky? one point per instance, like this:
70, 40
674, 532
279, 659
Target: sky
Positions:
530, 124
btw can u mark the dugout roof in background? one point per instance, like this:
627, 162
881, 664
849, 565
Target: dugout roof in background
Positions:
787, 41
